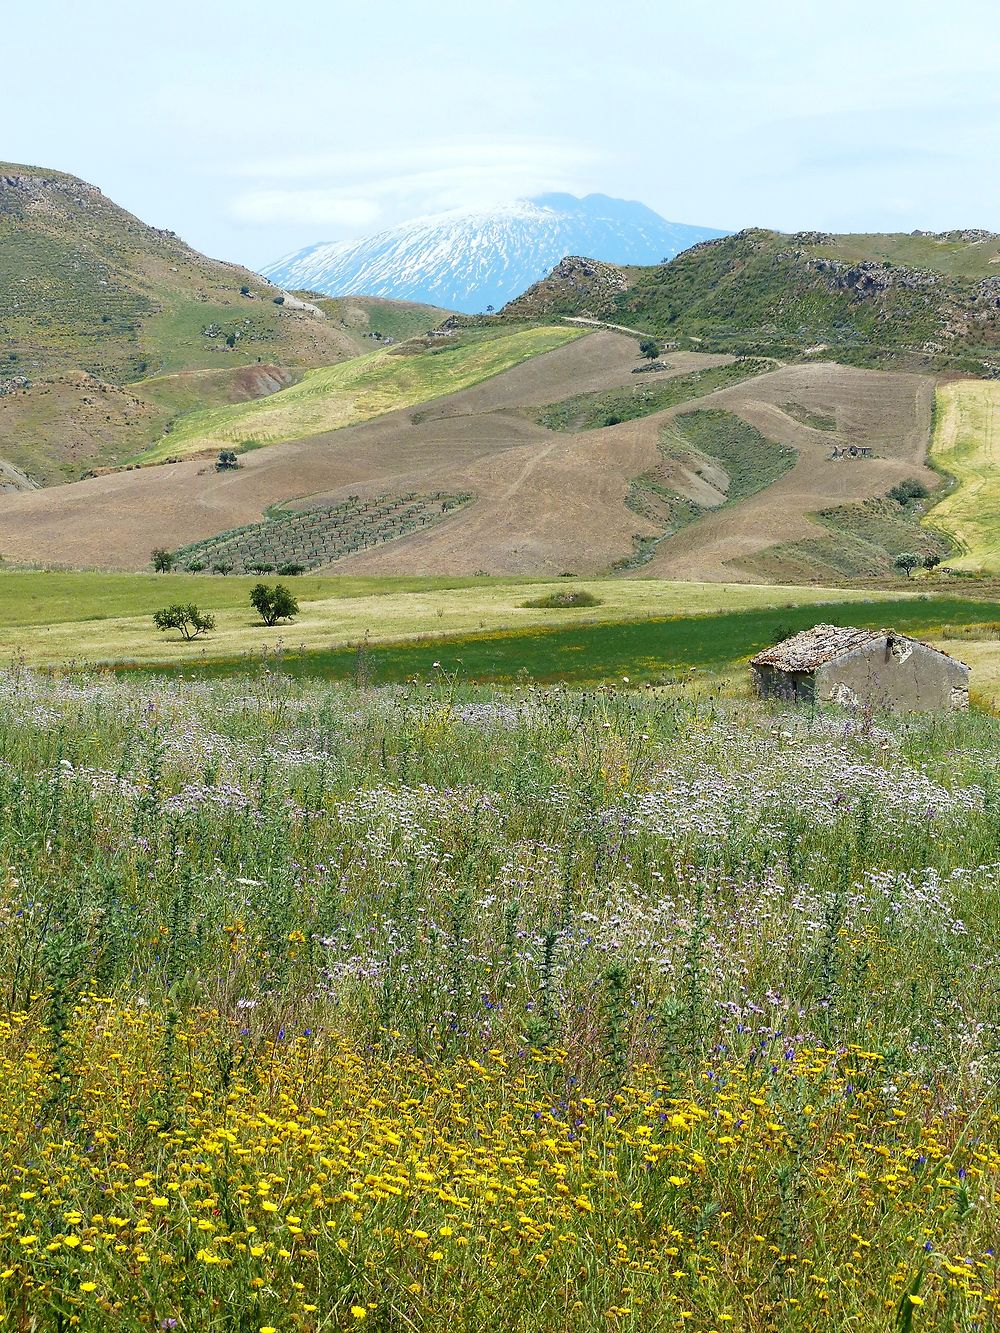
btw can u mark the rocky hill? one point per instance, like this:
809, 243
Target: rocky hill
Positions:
470, 260
919, 301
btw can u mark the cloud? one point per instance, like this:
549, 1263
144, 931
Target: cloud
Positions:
321, 207
352, 189
417, 157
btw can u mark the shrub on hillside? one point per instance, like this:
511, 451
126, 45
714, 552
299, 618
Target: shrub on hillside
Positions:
909, 489
557, 601
162, 560
649, 348
273, 604
184, 617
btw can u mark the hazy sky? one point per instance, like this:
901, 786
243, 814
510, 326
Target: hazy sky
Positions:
252, 129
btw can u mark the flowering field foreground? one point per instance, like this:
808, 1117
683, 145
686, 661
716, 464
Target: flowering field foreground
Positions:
427, 1009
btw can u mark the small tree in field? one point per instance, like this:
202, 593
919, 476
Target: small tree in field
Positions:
907, 561
163, 561
649, 348
931, 561
187, 618
273, 604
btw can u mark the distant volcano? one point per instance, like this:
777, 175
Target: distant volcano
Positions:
470, 259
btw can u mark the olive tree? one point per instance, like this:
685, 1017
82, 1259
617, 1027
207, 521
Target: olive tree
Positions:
273, 604
184, 617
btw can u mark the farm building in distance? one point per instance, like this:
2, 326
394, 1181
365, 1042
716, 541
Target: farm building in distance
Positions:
878, 668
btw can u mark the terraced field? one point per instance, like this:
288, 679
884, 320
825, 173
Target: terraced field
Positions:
317, 537
358, 390
967, 445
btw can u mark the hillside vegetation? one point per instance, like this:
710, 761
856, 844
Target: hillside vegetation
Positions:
356, 390
966, 445
94, 304
862, 541
373, 320
881, 301
730, 457
86, 286
595, 410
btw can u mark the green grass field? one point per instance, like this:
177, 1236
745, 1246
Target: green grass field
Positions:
54, 618
957, 258
355, 390
195, 390
966, 444
658, 650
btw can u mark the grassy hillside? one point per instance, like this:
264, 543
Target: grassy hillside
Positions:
84, 285
862, 541
722, 450
94, 304
356, 390
593, 411
966, 444
904, 301
373, 319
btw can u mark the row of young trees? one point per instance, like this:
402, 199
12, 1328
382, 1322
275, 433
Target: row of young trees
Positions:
163, 562
272, 604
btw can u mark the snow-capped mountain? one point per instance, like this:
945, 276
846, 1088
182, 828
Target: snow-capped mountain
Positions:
468, 260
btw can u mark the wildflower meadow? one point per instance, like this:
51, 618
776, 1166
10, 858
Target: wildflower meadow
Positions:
431, 1007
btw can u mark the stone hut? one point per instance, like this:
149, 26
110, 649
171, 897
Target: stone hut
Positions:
877, 668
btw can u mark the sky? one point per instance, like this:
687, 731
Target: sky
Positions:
253, 129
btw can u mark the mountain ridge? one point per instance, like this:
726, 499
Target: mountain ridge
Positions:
470, 259
918, 300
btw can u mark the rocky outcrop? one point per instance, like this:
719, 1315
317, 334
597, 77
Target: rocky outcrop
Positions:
587, 287
871, 277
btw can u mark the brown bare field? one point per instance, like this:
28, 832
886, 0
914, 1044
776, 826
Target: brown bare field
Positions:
887, 411
547, 502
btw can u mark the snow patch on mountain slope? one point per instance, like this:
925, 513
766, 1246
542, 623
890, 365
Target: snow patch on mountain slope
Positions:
470, 259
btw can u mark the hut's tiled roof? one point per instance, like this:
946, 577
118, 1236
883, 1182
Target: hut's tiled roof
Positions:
813, 647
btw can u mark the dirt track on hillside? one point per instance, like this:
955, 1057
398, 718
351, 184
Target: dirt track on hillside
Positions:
546, 502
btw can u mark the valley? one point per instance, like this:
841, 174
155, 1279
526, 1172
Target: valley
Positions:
499, 707
749, 455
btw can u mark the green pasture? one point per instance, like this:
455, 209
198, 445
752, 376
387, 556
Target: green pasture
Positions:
657, 650
52, 597
53, 618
